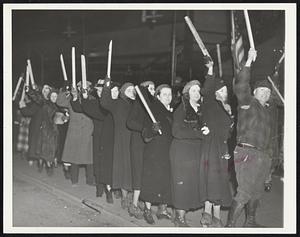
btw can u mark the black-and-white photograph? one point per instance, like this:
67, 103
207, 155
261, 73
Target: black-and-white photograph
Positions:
149, 115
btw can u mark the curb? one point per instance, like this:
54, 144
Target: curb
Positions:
68, 197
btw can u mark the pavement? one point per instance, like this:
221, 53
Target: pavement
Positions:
269, 213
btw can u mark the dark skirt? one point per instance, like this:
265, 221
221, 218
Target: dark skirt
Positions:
214, 175
137, 149
185, 158
156, 177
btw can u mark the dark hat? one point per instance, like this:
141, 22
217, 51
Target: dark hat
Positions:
146, 83
263, 83
160, 87
219, 83
188, 85
124, 87
114, 84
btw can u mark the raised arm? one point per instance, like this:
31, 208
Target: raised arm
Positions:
106, 101
208, 88
242, 87
63, 99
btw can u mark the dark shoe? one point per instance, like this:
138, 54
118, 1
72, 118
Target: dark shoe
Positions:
148, 216
109, 196
162, 213
135, 211
117, 194
99, 190
250, 214
234, 213
180, 221
216, 223
206, 219
141, 205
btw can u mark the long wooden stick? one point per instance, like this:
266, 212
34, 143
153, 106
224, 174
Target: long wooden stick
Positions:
73, 68
275, 88
146, 106
219, 61
196, 36
63, 67
250, 36
17, 87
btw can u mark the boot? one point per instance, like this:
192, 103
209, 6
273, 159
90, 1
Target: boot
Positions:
148, 216
180, 221
250, 214
162, 212
234, 213
109, 196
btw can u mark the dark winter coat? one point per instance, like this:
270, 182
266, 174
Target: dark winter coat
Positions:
91, 107
135, 122
185, 156
119, 109
214, 176
78, 148
48, 137
156, 177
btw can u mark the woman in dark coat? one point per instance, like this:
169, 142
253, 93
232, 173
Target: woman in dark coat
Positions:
120, 108
214, 176
135, 122
47, 143
185, 152
35, 111
91, 107
156, 177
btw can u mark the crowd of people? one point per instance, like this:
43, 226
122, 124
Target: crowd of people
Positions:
180, 162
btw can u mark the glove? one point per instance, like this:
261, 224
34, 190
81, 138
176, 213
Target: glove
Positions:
208, 61
205, 130
226, 156
84, 93
156, 127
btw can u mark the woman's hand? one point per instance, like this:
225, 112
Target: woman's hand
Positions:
205, 130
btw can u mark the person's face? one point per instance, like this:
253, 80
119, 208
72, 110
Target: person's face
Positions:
53, 97
46, 91
151, 89
222, 94
114, 92
99, 91
165, 96
130, 92
262, 94
194, 93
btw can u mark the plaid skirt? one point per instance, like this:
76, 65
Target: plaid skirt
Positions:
22, 145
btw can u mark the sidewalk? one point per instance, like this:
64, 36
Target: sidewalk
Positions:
270, 213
